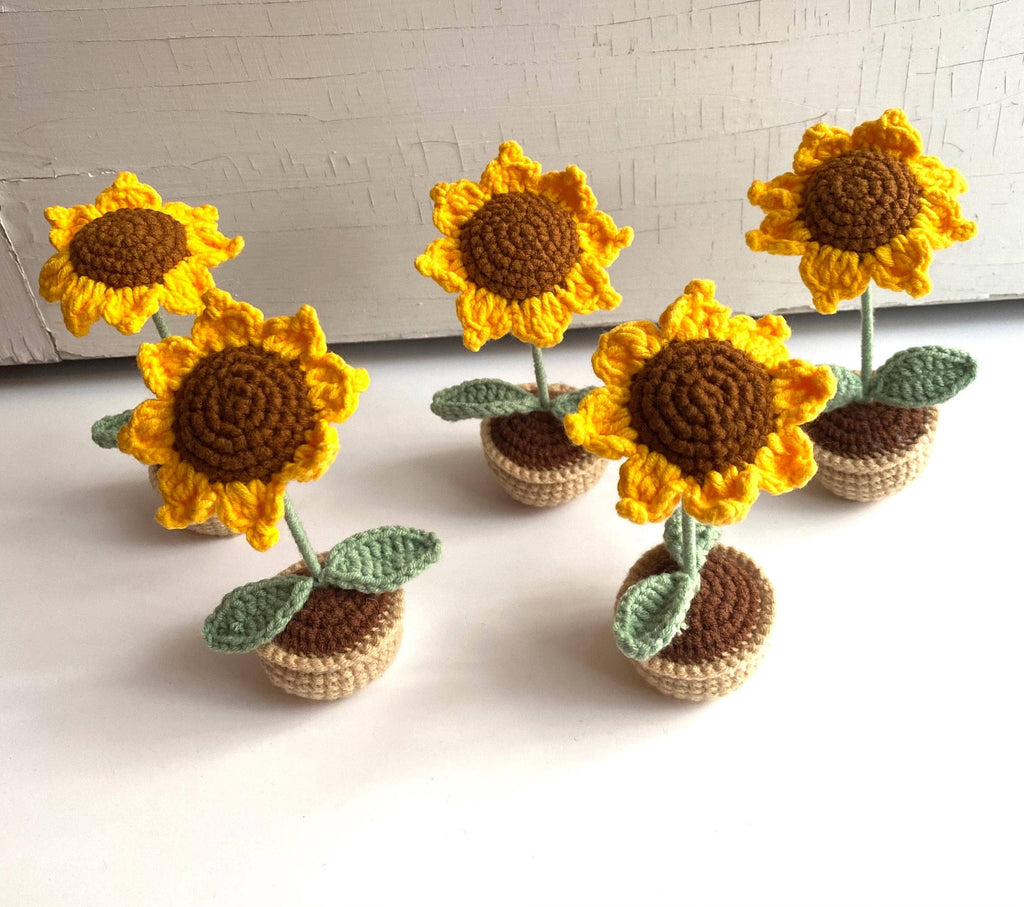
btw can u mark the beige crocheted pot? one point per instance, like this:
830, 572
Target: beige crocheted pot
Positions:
212, 526
336, 644
534, 461
868, 451
728, 625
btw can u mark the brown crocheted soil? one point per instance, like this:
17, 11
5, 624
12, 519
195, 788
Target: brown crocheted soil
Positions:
535, 440
860, 200
724, 614
129, 247
519, 245
868, 429
335, 620
241, 414
704, 405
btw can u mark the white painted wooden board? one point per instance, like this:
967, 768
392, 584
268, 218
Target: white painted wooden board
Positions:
319, 126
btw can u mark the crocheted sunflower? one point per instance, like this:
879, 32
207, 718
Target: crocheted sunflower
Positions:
242, 407
524, 250
128, 254
704, 406
861, 206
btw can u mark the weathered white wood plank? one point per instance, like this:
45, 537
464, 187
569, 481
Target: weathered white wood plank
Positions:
318, 127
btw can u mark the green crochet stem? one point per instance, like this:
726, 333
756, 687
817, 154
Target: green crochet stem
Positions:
301, 539
542, 379
867, 338
161, 325
688, 527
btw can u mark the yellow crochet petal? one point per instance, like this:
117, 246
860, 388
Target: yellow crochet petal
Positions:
649, 487
819, 144
624, 350
66, 222
766, 240
334, 387
723, 498
149, 433
542, 320
832, 275
902, 264
695, 314
569, 188
510, 171
81, 304
225, 322
295, 336
483, 316
761, 340
443, 263
208, 246
587, 289
931, 173
781, 194
185, 284
891, 131
600, 240
188, 497
163, 365
127, 192
312, 459
601, 424
55, 276
800, 391
455, 203
941, 220
129, 308
785, 462
254, 508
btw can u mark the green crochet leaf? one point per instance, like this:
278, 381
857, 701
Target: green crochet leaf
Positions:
482, 398
848, 388
104, 431
707, 538
923, 376
569, 402
651, 612
255, 613
380, 560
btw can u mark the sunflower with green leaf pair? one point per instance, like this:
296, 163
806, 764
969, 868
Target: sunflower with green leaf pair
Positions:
861, 208
525, 251
707, 409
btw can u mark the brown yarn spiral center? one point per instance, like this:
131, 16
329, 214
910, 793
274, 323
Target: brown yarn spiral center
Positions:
129, 247
704, 405
241, 414
519, 245
860, 200
334, 620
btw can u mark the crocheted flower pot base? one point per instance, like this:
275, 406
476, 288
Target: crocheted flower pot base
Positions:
212, 526
533, 460
339, 642
728, 625
869, 451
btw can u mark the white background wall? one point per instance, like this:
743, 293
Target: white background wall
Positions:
318, 127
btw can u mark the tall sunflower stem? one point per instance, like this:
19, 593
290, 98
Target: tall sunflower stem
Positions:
542, 378
688, 525
867, 339
161, 325
301, 539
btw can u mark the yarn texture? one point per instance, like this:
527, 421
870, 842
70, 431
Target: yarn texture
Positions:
128, 254
860, 207
242, 407
524, 250
704, 406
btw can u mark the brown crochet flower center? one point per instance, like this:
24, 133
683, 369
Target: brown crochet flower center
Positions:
335, 620
241, 414
860, 200
704, 405
519, 245
129, 247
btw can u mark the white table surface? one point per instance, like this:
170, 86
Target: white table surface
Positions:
511, 755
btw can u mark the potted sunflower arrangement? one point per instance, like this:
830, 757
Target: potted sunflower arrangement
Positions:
126, 258
525, 251
707, 409
863, 207
241, 407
